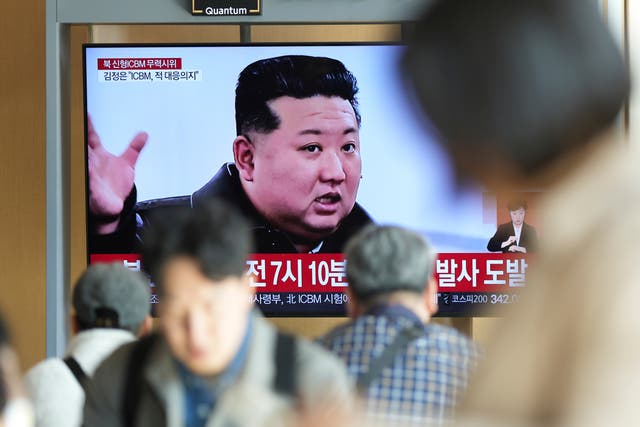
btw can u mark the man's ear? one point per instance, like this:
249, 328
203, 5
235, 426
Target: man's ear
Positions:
431, 297
248, 290
246, 280
75, 327
146, 327
353, 306
243, 155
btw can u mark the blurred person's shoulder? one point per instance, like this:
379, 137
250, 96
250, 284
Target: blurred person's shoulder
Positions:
448, 338
431, 332
119, 358
597, 196
310, 357
112, 375
317, 371
52, 372
313, 354
373, 333
337, 335
46, 370
55, 393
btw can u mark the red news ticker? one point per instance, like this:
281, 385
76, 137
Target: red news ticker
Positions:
297, 272
480, 272
454, 272
139, 63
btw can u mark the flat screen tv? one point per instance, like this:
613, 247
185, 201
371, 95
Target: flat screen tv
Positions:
182, 97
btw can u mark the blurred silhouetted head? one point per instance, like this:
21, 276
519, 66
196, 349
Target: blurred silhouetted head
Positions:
214, 235
513, 85
197, 258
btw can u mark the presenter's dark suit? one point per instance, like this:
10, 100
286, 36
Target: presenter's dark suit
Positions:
528, 238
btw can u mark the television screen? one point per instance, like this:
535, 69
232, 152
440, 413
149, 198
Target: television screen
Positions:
182, 99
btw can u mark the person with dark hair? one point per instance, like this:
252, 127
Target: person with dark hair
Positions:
112, 307
525, 94
407, 369
296, 171
215, 361
516, 235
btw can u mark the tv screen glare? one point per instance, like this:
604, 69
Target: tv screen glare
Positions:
183, 97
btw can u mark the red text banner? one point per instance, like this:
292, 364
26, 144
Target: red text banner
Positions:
139, 63
297, 272
268, 273
131, 261
480, 272
453, 272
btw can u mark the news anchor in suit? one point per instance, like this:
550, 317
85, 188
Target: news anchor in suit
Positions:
514, 236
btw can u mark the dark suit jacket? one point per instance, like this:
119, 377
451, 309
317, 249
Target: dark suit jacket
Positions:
528, 238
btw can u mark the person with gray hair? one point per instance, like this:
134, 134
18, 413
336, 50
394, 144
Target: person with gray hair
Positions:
407, 369
112, 307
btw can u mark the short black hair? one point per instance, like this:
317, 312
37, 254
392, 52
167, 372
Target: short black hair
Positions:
214, 234
515, 204
520, 82
297, 76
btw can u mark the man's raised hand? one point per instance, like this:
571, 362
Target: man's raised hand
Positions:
111, 178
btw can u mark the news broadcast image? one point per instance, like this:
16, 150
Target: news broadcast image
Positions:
182, 96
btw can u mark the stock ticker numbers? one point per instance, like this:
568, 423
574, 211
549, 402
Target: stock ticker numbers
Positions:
478, 298
504, 298
474, 283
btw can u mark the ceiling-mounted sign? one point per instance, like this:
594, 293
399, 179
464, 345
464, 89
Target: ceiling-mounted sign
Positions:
225, 7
